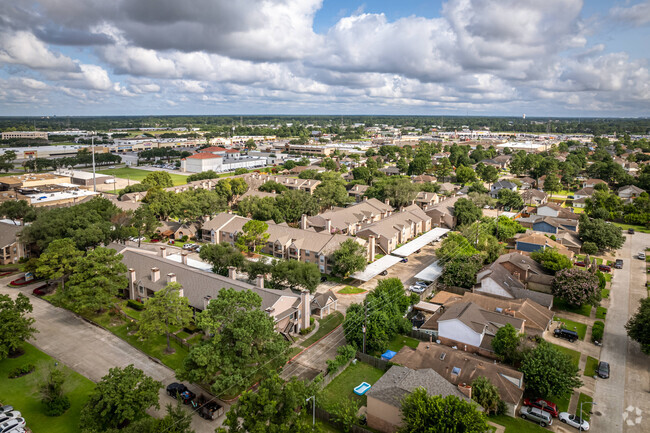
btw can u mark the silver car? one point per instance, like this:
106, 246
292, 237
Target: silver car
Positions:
536, 415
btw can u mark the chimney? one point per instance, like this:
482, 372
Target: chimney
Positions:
259, 281
303, 222
184, 257
365, 198
206, 301
328, 226
132, 293
387, 202
527, 271
517, 275
371, 247
171, 278
305, 309
465, 390
232, 272
163, 252
155, 274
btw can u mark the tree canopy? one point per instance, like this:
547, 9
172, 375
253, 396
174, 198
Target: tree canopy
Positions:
551, 259
605, 235
221, 256
466, 212
253, 236
15, 324
576, 287
350, 257
506, 343
58, 261
549, 372
638, 327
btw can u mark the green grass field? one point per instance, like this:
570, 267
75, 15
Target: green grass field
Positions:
601, 313
562, 402
325, 326
586, 408
637, 228
351, 290
591, 366
580, 328
560, 304
22, 393
400, 341
573, 354
516, 425
342, 387
137, 175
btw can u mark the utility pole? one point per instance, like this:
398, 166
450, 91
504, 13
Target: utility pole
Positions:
580, 415
313, 411
365, 319
92, 146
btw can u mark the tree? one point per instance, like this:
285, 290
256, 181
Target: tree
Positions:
362, 173
419, 165
18, 210
221, 257
350, 257
508, 198
332, 193
293, 204
58, 261
506, 343
97, 279
486, 394
272, 186
276, 407
166, 308
461, 271
506, 228
455, 244
638, 327
144, 221
51, 391
161, 179
605, 235
489, 174
466, 212
423, 413
442, 169
122, 396
398, 191
552, 184
15, 325
465, 175
244, 345
253, 236
551, 259
294, 274
576, 287
477, 187
549, 372
589, 248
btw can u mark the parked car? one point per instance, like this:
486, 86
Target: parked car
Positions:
383, 273
9, 415
405, 260
567, 334
7, 408
422, 283
187, 246
536, 415
630, 231
12, 425
170, 242
417, 289
603, 370
604, 268
618, 264
574, 421
641, 255
570, 197
581, 264
545, 405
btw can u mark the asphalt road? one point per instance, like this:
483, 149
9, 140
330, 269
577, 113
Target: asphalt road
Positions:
308, 364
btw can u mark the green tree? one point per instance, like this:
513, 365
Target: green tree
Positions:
97, 279
362, 173
144, 222
18, 210
506, 228
549, 372
465, 175
486, 394
605, 235
294, 274
442, 169
511, 199
423, 413
293, 204
15, 324
461, 271
466, 212
167, 307
121, 397
163, 203
638, 327
350, 257
276, 407
552, 184
221, 257
272, 186
58, 261
576, 287
589, 248
506, 343
455, 244
244, 345
253, 236
419, 165
398, 191
52, 392
160, 179
551, 259
490, 174
332, 193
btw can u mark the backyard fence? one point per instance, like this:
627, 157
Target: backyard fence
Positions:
327, 417
331, 376
381, 364
422, 336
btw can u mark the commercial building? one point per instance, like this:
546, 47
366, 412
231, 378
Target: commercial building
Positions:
24, 134
219, 160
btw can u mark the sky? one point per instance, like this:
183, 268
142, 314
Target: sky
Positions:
455, 57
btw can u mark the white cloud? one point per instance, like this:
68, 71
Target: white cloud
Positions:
638, 14
23, 48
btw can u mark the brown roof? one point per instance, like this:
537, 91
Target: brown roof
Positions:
478, 319
8, 233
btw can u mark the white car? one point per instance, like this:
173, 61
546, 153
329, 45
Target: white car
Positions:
417, 289
641, 256
574, 421
12, 425
9, 415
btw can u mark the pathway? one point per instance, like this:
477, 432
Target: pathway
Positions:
313, 361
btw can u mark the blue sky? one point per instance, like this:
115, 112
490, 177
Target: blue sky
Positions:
483, 57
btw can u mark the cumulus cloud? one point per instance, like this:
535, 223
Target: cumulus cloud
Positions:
23, 48
637, 14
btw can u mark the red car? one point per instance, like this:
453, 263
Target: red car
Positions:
545, 405
581, 264
604, 268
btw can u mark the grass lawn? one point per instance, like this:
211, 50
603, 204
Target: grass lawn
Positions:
578, 210
137, 175
342, 386
182, 334
516, 425
562, 402
637, 228
604, 293
22, 393
294, 351
350, 290
586, 408
573, 354
608, 277
325, 326
601, 313
560, 304
580, 328
591, 366
400, 341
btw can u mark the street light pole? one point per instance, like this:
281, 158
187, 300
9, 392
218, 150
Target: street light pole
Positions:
580, 416
92, 146
313, 411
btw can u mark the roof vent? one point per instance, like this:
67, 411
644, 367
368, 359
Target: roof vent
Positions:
442, 355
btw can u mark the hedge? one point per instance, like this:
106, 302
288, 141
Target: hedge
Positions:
135, 305
597, 331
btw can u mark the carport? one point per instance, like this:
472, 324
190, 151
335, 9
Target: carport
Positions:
418, 243
375, 268
430, 273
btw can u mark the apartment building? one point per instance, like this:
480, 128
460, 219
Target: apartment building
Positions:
11, 249
349, 220
255, 180
24, 134
396, 229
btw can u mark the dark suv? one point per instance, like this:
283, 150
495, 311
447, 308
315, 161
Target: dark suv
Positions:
618, 264
603, 370
566, 334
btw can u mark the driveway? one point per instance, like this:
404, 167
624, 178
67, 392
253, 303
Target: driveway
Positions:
627, 388
312, 361
92, 351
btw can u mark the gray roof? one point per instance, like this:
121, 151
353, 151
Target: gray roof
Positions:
504, 184
523, 262
320, 299
8, 233
478, 319
398, 382
393, 224
342, 218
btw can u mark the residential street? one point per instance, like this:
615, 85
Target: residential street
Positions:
629, 382
91, 350
309, 363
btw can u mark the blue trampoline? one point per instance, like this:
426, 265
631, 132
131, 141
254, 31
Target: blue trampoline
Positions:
388, 355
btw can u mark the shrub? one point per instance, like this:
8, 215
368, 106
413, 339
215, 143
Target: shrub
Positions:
57, 406
589, 248
597, 331
23, 370
306, 331
343, 355
135, 305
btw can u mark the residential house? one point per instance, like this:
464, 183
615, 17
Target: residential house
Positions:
590, 183
284, 242
390, 171
632, 168
396, 229
384, 399
349, 220
580, 203
497, 281
426, 199
528, 271
357, 192
570, 240
556, 211
175, 230
448, 189
586, 192
423, 178
630, 191
324, 304
502, 184
500, 162
548, 224
461, 368
442, 214
534, 197
11, 248
149, 272
527, 182
256, 193
531, 242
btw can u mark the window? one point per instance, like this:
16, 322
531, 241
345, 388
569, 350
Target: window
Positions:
322, 258
307, 253
442, 356
455, 371
141, 290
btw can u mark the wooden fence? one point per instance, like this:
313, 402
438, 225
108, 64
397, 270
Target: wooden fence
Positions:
381, 364
327, 417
